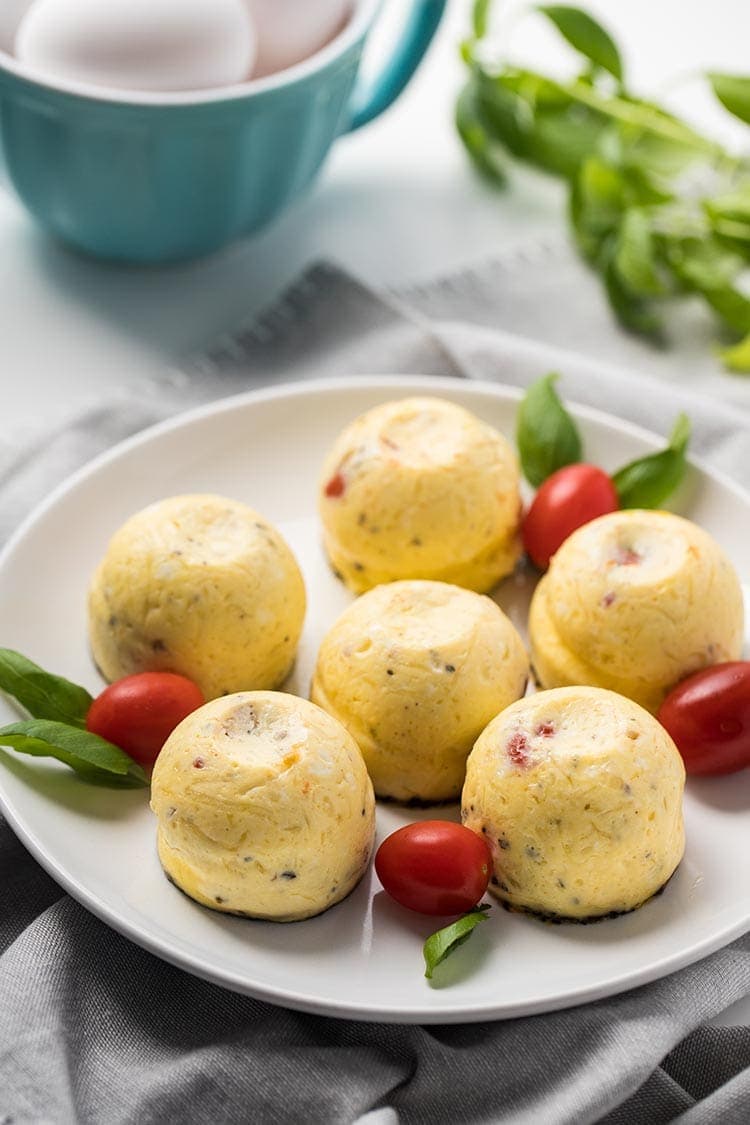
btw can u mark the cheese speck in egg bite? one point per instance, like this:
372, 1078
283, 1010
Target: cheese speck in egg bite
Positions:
578, 792
415, 670
200, 585
421, 488
635, 601
264, 807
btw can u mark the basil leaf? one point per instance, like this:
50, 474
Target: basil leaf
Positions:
737, 358
631, 308
480, 17
586, 36
89, 755
440, 944
43, 695
483, 148
648, 481
732, 306
636, 256
538, 120
546, 435
732, 205
733, 92
596, 205
703, 262
708, 267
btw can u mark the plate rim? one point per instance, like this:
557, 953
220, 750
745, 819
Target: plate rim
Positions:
298, 999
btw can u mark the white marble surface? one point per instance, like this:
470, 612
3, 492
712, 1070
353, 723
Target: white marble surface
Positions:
396, 203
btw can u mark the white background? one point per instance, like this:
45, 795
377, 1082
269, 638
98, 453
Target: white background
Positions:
396, 203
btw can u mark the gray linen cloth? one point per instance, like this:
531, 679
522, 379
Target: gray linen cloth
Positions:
94, 1029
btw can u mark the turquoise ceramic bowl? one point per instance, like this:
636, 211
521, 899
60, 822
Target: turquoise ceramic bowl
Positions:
139, 177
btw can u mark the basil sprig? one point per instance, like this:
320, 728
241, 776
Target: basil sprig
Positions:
57, 725
658, 210
546, 434
548, 439
442, 943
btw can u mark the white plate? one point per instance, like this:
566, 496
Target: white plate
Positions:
362, 958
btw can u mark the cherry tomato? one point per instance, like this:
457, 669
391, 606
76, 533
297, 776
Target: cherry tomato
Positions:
569, 498
434, 867
708, 716
139, 712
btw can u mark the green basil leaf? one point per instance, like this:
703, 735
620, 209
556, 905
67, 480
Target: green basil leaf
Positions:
504, 112
733, 91
480, 17
734, 232
636, 254
538, 121
560, 141
586, 36
632, 309
737, 358
648, 481
43, 695
596, 205
703, 262
710, 268
89, 755
546, 435
485, 151
731, 305
730, 205
440, 944
659, 142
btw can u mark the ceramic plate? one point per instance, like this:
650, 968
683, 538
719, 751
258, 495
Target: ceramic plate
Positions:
362, 958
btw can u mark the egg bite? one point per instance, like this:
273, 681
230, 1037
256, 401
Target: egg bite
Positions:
264, 807
420, 488
200, 585
578, 792
414, 670
635, 601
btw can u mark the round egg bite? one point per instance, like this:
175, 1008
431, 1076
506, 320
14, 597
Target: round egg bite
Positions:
264, 807
414, 670
420, 488
635, 601
199, 585
578, 792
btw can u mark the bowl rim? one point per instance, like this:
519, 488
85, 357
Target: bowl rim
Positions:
362, 14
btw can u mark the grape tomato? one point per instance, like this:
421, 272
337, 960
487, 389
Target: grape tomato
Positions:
434, 867
569, 498
139, 712
708, 717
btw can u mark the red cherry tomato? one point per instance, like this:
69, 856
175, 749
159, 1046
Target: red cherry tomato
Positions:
139, 712
434, 867
708, 716
569, 498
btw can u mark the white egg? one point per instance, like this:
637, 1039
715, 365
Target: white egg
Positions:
140, 44
291, 30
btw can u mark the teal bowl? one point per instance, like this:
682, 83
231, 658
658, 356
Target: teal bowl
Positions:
149, 178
